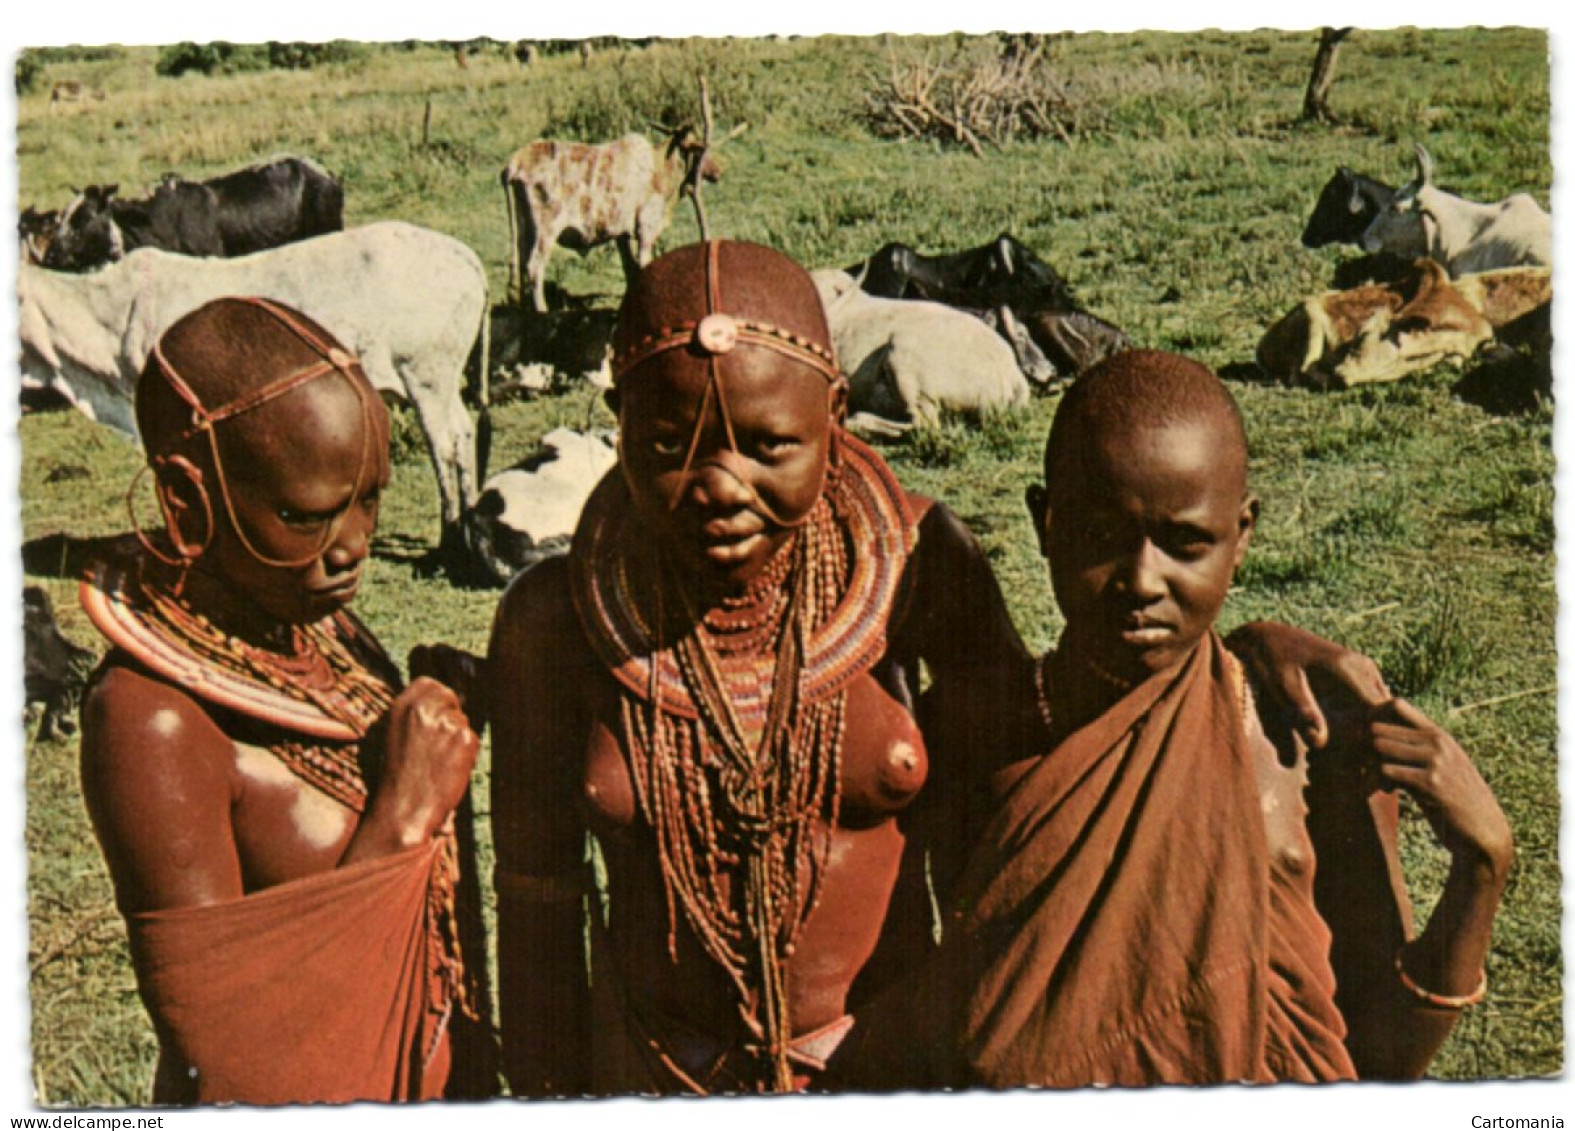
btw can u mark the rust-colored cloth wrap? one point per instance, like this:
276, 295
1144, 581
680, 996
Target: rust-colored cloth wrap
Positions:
1122, 922
324, 989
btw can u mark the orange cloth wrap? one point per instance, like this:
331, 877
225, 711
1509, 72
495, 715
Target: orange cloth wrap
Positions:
1122, 924
318, 990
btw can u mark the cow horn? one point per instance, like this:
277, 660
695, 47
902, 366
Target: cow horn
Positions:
1424, 166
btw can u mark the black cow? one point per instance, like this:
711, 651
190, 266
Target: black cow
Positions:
1004, 282
250, 210
54, 670
1345, 209
1346, 206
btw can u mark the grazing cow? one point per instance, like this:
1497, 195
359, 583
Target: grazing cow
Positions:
249, 210
1463, 235
408, 301
529, 511
37, 230
1051, 333
582, 196
906, 360
1345, 208
54, 670
1383, 332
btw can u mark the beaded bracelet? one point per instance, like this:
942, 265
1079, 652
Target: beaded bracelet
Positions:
1440, 1001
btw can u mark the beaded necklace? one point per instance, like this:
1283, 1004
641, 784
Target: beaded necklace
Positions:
734, 732
322, 689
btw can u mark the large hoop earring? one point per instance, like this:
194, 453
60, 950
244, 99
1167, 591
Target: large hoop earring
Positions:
186, 552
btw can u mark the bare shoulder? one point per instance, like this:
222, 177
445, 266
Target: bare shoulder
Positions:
158, 776
137, 726
537, 610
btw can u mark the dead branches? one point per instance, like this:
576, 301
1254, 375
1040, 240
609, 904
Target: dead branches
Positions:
983, 101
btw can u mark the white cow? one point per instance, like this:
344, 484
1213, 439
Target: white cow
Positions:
908, 359
529, 511
1463, 235
408, 301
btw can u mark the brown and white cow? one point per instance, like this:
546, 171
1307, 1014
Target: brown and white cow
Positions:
581, 196
1382, 332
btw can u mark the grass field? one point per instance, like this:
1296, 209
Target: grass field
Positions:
1399, 519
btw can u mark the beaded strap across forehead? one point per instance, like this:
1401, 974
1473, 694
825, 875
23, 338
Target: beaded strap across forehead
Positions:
203, 417
718, 332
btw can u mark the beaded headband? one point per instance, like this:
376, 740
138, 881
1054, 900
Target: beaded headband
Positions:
718, 333
334, 360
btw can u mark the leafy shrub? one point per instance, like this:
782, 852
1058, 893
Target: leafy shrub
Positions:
305, 56
28, 69
217, 58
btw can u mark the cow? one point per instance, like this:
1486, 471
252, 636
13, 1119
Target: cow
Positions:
54, 670
408, 301
36, 231
1381, 332
581, 196
529, 511
1345, 207
908, 359
252, 209
1463, 235
1052, 334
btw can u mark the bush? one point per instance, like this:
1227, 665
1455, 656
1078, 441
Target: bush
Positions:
970, 99
218, 58
305, 56
28, 69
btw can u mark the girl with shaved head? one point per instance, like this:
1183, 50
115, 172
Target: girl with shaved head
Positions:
721, 683
277, 814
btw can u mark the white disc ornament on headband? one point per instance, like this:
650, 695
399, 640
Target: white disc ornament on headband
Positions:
717, 333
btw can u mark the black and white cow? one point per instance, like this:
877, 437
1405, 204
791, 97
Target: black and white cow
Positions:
253, 209
1051, 333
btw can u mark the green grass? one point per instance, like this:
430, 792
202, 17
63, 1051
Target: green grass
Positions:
1398, 519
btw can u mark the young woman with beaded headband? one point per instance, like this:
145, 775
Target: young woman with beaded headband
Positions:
275, 811
721, 683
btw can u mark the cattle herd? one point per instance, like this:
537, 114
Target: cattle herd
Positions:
917, 334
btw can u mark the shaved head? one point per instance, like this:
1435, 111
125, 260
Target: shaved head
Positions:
226, 351
1140, 391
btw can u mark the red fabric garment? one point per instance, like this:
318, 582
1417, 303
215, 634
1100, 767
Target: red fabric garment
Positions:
324, 989
1121, 922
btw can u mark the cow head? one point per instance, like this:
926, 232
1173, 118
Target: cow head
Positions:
1345, 208
37, 230
1400, 228
686, 144
87, 235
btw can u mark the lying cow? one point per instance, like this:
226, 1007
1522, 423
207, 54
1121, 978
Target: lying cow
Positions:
407, 300
1463, 235
252, 209
529, 511
582, 196
1349, 203
1021, 295
906, 360
54, 670
1345, 208
36, 230
1381, 332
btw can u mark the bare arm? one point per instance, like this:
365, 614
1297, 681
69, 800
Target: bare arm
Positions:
1299, 670
156, 774
978, 714
537, 665
1397, 1030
